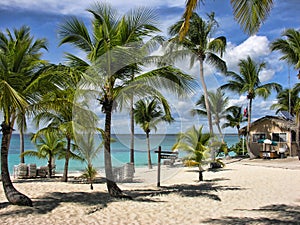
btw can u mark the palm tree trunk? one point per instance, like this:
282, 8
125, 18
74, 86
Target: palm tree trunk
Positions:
205, 93
220, 132
131, 131
50, 166
22, 157
207, 105
112, 187
149, 153
67, 159
252, 156
12, 195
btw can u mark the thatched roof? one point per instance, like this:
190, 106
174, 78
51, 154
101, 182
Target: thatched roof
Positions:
278, 121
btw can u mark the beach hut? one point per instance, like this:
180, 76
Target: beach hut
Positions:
277, 129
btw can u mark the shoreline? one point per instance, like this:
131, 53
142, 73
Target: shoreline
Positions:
244, 192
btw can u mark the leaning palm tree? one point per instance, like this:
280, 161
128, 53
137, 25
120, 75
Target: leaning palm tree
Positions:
49, 145
19, 57
148, 114
200, 47
234, 118
195, 143
248, 82
248, 13
111, 47
218, 103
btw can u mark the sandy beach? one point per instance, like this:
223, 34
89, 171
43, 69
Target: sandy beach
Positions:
244, 192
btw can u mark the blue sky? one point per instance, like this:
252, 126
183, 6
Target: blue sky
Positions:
44, 17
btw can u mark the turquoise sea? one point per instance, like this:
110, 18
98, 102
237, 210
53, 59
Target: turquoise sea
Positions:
119, 148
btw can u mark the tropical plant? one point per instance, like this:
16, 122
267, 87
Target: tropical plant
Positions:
49, 146
287, 100
218, 106
90, 174
109, 50
148, 114
248, 82
88, 150
289, 47
19, 57
196, 144
234, 118
248, 13
199, 46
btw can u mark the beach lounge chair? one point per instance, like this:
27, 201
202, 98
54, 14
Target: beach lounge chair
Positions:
31, 170
124, 173
21, 171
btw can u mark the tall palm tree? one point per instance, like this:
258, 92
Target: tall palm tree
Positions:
113, 40
234, 118
200, 47
148, 114
49, 146
55, 109
218, 103
195, 143
289, 47
249, 14
19, 56
248, 82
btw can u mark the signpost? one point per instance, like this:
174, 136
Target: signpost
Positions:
163, 155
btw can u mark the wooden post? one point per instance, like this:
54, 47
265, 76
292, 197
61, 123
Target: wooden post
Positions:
158, 166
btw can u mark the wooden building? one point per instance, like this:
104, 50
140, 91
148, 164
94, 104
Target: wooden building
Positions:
280, 130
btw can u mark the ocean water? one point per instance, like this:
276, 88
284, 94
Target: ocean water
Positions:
119, 150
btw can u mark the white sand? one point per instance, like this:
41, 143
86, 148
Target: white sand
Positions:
244, 192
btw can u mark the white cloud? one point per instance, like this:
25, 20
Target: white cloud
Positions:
256, 47
72, 7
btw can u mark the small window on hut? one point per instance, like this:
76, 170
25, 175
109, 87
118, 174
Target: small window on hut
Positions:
258, 136
279, 137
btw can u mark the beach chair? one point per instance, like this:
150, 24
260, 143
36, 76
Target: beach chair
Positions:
32, 170
128, 172
21, 170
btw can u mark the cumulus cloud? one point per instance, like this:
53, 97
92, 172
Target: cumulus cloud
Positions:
256, 47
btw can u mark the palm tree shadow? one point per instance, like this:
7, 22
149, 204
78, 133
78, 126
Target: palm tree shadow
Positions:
272, 214
48, 202
207, 190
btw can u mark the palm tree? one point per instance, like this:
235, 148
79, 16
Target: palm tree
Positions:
55, 109
19, 57
289, 47
218, 106
249, 14
234, 118
49, 146
199, 46
287, 100
88, 151
195, 143
248, 82
148, 114
112, 47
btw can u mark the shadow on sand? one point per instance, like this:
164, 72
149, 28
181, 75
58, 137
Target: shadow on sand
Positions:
268, 215
98, 200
